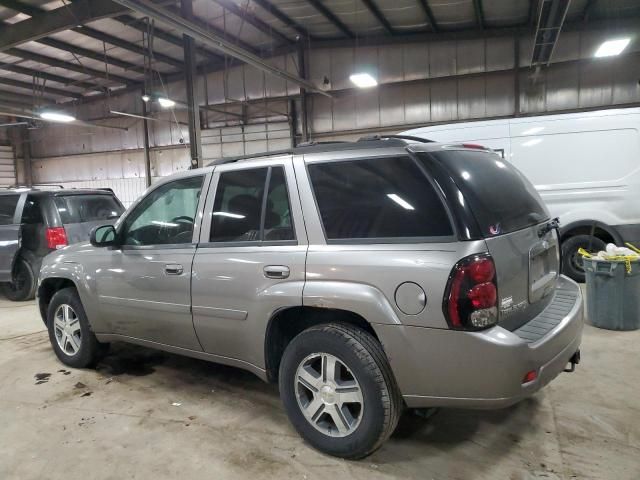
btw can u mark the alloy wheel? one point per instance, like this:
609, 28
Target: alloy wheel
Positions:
329, 395
67, 329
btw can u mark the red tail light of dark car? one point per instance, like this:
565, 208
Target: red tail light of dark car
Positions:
56, 238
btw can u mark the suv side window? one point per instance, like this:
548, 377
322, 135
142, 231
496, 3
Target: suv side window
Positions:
242, 213
165, 216
8, 204
377, 198
32, 214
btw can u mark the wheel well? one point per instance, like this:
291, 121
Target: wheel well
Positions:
598, 232
47, 290
289, 322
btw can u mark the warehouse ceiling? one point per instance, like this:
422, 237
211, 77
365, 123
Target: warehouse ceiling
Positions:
63, 51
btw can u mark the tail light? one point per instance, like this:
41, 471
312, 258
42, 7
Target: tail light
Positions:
56, 238
471, 297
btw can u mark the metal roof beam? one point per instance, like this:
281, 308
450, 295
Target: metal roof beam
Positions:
329, 15
11, 67
280, 15
54, 62
7, 98
479, 11
39, 88
54, 21
429, 14
140, 25
200, 34
376, 12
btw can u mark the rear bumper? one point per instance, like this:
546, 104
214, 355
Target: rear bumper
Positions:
437, 367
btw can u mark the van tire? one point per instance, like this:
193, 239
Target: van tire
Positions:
23, 286
572, 260
363, 356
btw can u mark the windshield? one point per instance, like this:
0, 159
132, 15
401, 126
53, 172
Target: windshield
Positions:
500, 197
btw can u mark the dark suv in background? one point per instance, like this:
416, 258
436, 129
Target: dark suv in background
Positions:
34, 222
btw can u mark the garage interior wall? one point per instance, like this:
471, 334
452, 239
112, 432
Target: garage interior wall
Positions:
420, 84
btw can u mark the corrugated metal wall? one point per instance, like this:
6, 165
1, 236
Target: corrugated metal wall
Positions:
420, 83
7, 166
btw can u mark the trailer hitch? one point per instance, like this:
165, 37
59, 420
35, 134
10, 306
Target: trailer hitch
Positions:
574, 360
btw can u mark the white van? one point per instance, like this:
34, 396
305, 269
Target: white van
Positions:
586, 167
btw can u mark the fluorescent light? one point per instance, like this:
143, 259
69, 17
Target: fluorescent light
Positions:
400, 201
532, 142
57, 117
612, 47
228, 214
363, 80
166, 102
146, 98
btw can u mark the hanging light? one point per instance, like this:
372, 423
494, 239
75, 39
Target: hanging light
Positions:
166, 102
363, 80
61, 117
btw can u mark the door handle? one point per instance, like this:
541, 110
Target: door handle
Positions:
173, 269
276, 271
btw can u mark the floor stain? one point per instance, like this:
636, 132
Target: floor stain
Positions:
133, 362
42, 378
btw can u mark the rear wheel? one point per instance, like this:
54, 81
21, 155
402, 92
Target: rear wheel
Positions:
69, 332
338, 390
572, 265
23, 285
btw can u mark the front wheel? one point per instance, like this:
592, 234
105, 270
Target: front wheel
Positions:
70, 335
338, 390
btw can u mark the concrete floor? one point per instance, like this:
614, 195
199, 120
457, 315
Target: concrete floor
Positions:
143, 414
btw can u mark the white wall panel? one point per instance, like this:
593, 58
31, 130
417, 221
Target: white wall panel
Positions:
7, 166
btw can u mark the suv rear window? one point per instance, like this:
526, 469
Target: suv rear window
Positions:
87, 208
8, 204
378, 198
500, 197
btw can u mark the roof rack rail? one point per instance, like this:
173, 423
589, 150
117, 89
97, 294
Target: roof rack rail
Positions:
369, 138
35, 185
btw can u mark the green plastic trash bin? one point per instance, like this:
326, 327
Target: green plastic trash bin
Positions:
613, 294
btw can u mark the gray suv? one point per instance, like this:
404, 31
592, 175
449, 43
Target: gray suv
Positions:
35, 222
363, 277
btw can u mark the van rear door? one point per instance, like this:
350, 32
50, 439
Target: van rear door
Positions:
516, 226
9, 233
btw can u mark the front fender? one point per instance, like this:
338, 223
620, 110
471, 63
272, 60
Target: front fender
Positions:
59, 269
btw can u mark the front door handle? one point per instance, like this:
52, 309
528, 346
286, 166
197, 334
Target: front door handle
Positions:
276, 271
173, 269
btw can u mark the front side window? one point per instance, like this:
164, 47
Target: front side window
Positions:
166, 216
8, 204
377, 198
241, 213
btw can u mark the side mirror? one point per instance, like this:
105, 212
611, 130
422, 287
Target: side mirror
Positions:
103, 236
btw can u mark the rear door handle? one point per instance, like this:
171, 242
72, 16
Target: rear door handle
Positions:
173, 269
276, 271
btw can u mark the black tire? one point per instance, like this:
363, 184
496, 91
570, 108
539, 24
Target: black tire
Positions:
90, 350
572, 260
23, 285
362, 354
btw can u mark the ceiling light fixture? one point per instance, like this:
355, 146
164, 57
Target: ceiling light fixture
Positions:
57, 117
363, 80
146, 98
611, 48
166, 102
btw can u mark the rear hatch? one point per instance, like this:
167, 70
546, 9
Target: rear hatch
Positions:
81, 212
512, 218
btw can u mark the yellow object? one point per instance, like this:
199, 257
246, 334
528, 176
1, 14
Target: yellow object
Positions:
627, 259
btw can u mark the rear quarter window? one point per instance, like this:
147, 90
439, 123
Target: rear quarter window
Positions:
501, 198
87, 208
8, 204
378, 198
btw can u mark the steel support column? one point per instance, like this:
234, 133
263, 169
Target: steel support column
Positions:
147, 148
304, 114
26, 156
190, 73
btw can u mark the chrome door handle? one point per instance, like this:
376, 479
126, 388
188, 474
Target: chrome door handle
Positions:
173, 269
276, 271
